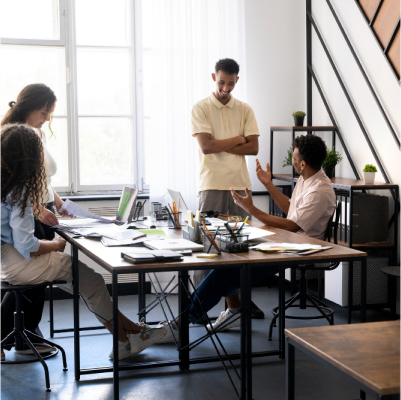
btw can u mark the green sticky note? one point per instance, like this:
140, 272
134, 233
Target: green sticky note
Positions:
149, 232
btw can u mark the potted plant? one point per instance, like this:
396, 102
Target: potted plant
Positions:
333, 157
298, 118
369, 173
287, 162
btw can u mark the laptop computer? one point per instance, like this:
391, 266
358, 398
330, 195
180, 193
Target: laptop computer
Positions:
126, 205
177, 197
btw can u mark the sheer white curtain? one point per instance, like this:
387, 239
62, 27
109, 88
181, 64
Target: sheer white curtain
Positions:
188, 37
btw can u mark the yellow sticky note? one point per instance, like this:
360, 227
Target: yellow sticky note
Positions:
206, 255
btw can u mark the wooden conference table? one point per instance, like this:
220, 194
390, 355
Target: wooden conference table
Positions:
366, 354
110, 259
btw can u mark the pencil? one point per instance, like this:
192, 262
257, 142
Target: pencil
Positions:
211, 237
217, 231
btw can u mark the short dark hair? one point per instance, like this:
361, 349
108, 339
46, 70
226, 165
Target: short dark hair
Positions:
312, 150
227, 65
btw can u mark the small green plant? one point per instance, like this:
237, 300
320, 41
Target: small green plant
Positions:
333, 157
298, 114
287, 162
370, 168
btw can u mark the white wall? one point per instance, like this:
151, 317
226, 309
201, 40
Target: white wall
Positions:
381, 78
275, 72
276, 81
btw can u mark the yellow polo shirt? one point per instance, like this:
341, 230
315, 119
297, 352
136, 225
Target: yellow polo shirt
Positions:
223, 171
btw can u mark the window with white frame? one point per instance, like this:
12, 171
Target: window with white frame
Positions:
84, 50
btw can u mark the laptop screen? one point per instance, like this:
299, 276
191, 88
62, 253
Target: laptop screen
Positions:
126, 206
177, 197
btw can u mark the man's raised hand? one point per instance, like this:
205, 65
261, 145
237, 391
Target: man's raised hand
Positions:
264, 176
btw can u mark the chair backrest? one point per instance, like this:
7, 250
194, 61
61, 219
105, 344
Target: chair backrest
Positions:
332, 225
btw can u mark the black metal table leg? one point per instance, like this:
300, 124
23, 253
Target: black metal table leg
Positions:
364, 273
116, 382
362, 395
141, 296
281, 311
75, 275
183, 325
290, 372
350, 289
248, 313
51, 311
244, 295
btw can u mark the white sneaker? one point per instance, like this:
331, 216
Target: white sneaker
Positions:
226, 320
146, 337
169, 338
124, 350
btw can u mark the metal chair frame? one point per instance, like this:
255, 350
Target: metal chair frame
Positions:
23, 335
303, 295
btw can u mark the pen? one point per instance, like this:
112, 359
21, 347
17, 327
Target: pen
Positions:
230, 231
140, 209
240, 229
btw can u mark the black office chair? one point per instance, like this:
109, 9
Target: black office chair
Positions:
22, 335
303, 295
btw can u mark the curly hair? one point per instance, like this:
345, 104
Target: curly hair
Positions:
23, 174
31, 98
312, 150
227, 65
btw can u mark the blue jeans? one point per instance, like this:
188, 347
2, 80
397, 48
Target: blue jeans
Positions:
221, 283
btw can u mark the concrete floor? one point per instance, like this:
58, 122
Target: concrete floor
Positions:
203, 381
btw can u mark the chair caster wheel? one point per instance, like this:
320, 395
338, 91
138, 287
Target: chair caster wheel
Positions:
48, 390
65, 369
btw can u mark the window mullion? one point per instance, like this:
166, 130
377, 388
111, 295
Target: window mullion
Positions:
73, 150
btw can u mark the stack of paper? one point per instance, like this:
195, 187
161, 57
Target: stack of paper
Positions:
290, 248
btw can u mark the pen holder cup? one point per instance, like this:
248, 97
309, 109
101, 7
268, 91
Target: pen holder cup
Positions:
159, 215
231, 245
208, 246
175, 223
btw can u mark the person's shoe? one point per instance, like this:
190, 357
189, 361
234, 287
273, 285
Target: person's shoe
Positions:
3, 356
226, 321
169, 338
145, 337
124, 350
41, 348
257, 313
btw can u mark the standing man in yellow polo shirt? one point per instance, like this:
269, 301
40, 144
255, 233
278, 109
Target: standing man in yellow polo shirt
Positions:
226, 131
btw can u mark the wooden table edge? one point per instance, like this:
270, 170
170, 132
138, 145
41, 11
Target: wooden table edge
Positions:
338, 365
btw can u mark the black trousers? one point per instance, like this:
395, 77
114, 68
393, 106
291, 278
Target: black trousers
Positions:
33, 300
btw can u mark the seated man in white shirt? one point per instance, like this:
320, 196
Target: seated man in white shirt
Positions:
308, 211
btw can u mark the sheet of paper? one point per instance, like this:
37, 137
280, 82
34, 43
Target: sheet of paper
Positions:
286, 247
73, 224
77, 211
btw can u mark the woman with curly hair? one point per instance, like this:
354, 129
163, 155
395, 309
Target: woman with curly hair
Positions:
28, 260
34, 106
